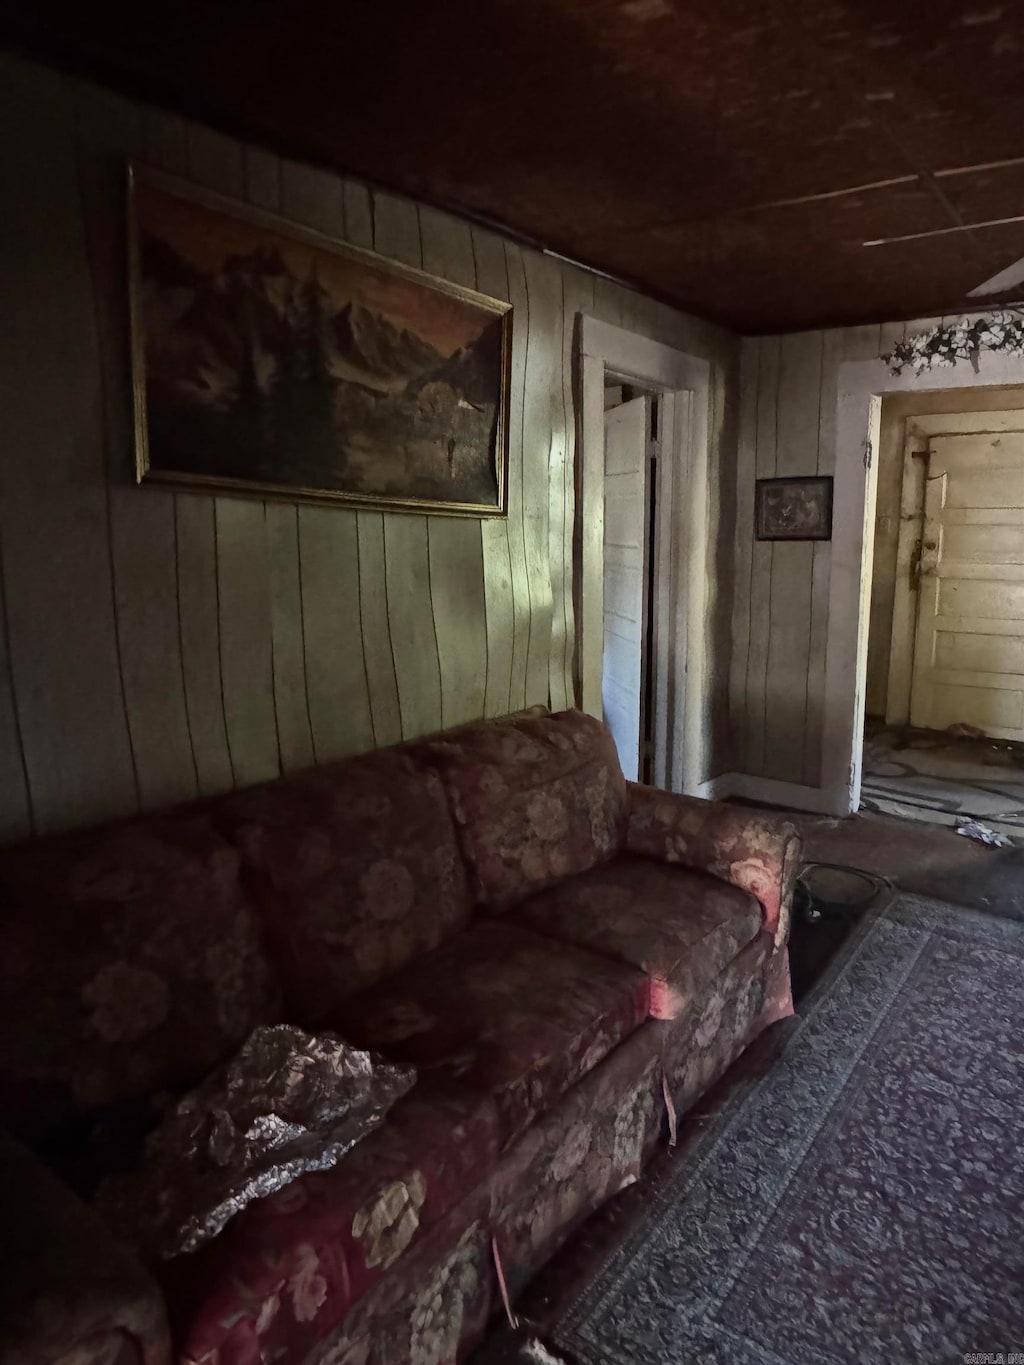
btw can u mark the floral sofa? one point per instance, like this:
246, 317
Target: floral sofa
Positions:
553, 948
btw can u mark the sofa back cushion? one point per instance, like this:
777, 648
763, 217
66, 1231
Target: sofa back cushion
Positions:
536, 798
354, 868
130, 963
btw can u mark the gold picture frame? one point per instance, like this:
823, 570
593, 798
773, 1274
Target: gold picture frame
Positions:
270, 360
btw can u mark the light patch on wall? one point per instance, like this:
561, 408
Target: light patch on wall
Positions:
975, 18
643, 11
998, 284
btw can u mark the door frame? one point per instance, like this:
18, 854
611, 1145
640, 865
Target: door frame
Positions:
649, 559
920, 428
680, 654
862, 386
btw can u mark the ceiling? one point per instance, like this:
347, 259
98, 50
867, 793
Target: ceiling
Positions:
735, 157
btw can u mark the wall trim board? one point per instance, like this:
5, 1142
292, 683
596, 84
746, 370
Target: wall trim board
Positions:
905, 594
862, 385
606, 348
767, 791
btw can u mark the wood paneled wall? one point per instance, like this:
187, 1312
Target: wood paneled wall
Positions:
156, 646
788, 394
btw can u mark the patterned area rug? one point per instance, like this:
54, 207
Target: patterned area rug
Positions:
863, 1200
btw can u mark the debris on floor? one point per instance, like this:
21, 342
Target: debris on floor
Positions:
938, 778
961, 730
974, 829
538, 1354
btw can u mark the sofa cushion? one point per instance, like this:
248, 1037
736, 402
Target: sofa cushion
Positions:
679, 927
130, 962
70, 1291
536, 798
289, 1268
587, 1148
504, 1011
355, 870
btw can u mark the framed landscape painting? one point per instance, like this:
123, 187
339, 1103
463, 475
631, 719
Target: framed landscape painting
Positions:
271, 360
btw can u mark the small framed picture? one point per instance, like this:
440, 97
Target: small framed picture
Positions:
794, 509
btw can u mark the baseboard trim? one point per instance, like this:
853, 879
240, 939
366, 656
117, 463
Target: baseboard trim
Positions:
792, 795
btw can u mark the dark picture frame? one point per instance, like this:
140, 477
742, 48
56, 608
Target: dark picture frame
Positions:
794, 508
269, 360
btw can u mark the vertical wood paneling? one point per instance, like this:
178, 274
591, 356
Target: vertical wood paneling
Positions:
166, 139
53, 500
246, 654
288, 638
577, 298
544, 463
746, 456
455, 544
559, 687
15, 797
336, 684
199, 633
608, 301
264, 189
375, 626
155, 645
761, 557
406, 542
831, 357
243, 565
407, 566
517, 476
261, 175
799, 390
501, 590
357, 207
794, 403
142, 528
339, 705
333, 667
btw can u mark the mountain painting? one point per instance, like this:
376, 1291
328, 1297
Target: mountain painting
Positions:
272, 360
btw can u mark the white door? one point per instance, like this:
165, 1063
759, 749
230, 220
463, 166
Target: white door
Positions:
969, 650
626, 431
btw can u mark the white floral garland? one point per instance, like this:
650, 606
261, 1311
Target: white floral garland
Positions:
945, 345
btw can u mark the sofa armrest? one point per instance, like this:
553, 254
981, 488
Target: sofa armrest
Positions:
69, 1290
757, 853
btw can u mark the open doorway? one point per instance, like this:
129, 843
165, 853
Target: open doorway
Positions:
666, 707
944, 724
631, 505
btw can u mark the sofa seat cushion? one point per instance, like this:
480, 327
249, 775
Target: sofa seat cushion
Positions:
681, 928
286, 1272
504, 1011
536, 798
355, 870
131, 963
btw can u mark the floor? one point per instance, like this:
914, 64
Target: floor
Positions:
897, 854
940, 778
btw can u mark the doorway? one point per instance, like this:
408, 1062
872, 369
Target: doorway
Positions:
673, 691
631, 502
944, 728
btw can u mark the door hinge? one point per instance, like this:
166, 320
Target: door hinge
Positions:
867, 454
